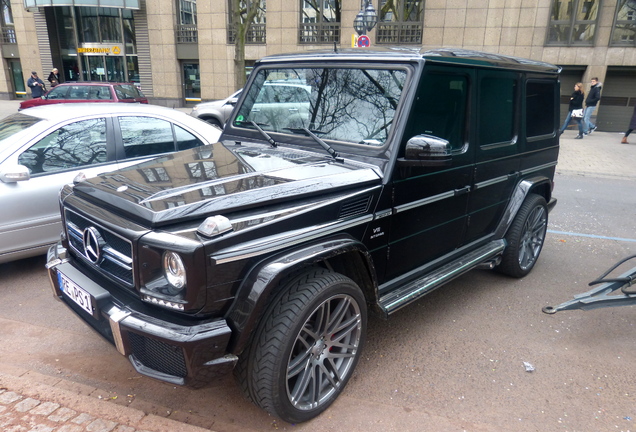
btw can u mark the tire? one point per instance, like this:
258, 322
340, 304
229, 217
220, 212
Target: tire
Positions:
525, 237
306, 347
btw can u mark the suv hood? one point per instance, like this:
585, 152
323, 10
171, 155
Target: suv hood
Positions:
220, 179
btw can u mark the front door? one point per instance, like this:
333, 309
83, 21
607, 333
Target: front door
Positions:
430, 203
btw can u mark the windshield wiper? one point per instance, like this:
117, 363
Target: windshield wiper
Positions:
267, 136
316, 138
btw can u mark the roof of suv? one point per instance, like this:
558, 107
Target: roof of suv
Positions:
441, 55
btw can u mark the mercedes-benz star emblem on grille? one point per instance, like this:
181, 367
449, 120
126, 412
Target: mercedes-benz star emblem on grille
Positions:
93, 243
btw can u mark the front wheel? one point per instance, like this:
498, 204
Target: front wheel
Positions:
525, 237
307, 346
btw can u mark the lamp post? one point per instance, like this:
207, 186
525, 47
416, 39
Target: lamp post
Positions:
366, 18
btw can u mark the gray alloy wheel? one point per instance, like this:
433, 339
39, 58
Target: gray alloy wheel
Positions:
307, 346
525, 237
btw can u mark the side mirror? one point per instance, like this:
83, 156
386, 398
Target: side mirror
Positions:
426, 150
232, 101
14, 174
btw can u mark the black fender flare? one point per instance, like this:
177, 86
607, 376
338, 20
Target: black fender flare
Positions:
519, 195
263, 279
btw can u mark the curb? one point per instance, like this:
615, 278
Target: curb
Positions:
26, 401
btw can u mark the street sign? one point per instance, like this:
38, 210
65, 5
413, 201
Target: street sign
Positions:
363, 41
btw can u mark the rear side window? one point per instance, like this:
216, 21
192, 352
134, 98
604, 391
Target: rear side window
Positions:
99, 93
127, 92
146, 136
78, 92
57, 93
540, 106
496, 109
185, 140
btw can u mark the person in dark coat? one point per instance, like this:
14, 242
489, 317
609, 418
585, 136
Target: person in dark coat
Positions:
632, 126
576, 103
36, 85
593, 97
54, 77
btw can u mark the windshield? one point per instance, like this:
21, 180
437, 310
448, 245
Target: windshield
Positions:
344, 104
14, 124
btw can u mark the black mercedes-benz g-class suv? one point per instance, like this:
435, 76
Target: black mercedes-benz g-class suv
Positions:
384, 175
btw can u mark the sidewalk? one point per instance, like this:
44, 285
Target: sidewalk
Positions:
32, 402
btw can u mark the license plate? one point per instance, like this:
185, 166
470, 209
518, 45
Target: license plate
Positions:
75, 293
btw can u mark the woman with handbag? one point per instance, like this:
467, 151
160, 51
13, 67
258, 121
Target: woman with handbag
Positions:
54, 77
575, 110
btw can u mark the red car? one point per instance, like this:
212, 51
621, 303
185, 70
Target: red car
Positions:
88, 92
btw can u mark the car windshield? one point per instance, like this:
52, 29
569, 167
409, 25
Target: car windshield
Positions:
344, 104
9, 126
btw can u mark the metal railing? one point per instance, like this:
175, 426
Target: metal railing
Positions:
399, 33
187, 34
8, 35
256, 34
313, 33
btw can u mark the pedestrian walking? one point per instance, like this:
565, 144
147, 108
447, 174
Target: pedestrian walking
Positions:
36, 84
632, 126
593, 97
575, 110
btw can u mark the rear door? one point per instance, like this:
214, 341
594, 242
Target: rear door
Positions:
498, 144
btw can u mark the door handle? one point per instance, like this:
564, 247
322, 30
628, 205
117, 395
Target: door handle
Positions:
462, 191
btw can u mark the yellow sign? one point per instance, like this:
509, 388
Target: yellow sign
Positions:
100, 49
116, 50
93, 50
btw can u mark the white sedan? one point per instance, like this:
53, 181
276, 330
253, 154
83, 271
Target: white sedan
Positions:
44, 148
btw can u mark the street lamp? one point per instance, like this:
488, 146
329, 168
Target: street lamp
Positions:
366, 18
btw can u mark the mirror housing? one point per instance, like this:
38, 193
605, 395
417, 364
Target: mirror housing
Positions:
14, 174
426, 150
232, 101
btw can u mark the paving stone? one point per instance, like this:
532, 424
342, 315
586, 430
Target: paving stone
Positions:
26, 405
122, 428
41, 428
45, 408
82, 418
100, 425
70, 428
62, 415
9, 397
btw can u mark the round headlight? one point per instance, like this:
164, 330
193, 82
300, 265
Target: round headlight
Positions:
174, 269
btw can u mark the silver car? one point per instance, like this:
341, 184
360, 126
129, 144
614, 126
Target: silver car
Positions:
216, 112
44, 148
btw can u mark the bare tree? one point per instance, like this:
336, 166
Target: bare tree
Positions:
244, 15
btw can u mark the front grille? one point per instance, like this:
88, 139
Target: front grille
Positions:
116, 252
158, 356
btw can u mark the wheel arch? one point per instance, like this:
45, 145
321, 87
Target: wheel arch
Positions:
539, 185
343, 255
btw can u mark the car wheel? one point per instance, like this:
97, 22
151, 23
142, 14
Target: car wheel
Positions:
306, 347
525, 237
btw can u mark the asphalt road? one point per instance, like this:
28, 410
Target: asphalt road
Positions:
454, 361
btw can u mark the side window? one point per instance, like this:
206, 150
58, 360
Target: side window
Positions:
146, 136
540, 106
57, 93
99, 93
78, 92
496, 108
185, 140
74, 145
440, 108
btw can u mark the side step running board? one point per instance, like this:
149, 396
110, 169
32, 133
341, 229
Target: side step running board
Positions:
397, 299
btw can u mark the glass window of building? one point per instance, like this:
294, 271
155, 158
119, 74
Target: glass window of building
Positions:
400, 22
624, 31
573, 22
248, 17
187, 31
319, 21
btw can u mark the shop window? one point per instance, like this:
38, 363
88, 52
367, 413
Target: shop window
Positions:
573, 22
400, 22
319, 21
248, 14
624, 30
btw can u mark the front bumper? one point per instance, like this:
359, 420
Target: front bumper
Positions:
191, 355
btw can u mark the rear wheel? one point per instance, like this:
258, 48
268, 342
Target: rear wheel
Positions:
306, 347
525, 237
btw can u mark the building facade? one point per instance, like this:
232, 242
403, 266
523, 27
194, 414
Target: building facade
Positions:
183, 51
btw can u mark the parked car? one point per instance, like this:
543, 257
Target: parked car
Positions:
216, 112
44, 148
78, 92
281, 91
404, 170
